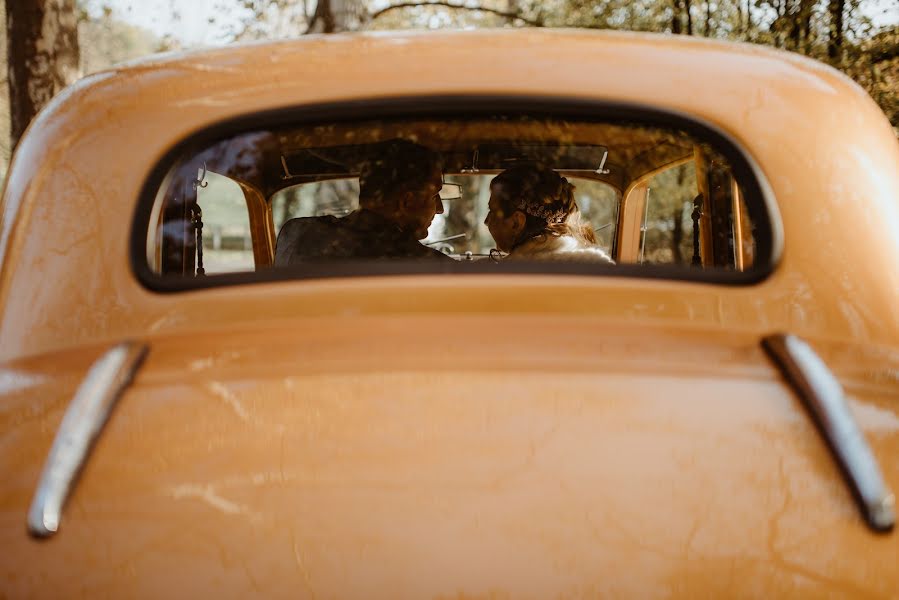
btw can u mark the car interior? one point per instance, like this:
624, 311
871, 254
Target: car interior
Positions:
654, 195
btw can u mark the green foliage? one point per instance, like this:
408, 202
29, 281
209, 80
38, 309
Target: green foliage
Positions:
837, 32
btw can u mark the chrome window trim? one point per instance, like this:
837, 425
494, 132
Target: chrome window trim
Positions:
85, 416
825, 400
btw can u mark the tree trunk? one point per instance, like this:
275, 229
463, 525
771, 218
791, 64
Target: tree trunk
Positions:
676, 24
708, 19
780, 27
512, 7
836, 9
747, 32
800, 19
677, 235
689, 17
43, 56
334, 16
808, 7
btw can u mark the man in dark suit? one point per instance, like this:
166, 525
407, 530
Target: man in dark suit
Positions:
398, 198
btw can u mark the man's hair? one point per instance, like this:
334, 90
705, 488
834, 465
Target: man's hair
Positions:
396, 165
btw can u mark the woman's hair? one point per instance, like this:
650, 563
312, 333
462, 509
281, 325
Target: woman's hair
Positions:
547, 200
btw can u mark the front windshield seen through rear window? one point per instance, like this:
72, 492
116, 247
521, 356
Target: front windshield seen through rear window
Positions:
449, 192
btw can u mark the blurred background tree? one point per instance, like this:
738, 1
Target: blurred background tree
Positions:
48, 43
42, 56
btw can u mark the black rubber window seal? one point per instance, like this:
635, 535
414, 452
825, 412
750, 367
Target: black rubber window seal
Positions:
756, 191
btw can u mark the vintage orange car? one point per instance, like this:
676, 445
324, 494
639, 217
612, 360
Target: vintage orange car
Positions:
205, 393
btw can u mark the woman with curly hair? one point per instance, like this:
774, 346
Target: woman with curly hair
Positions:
533, 216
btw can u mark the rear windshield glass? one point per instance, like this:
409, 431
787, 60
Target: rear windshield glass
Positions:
454, 195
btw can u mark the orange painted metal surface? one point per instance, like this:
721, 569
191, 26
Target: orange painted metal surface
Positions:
342, 459
832, 173
465, 436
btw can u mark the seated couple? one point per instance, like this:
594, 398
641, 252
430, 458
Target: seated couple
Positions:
533, 215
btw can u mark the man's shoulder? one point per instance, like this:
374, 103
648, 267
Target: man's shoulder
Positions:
355, 222
358, 235
308, 237
303, 223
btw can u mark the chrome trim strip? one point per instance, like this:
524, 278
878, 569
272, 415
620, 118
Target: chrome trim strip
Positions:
95, 398
823, 397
